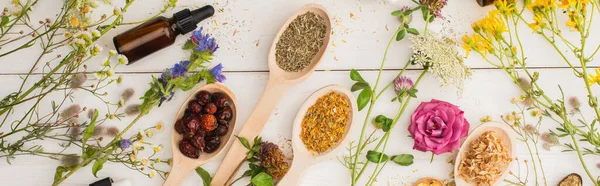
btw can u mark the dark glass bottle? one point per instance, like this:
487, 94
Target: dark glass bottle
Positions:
158, 33
484, 2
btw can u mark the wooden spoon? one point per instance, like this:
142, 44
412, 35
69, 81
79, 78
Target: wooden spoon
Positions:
183, 165
503, 131
428, 182
303, 158
279, 82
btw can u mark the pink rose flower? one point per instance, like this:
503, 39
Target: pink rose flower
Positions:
438, 126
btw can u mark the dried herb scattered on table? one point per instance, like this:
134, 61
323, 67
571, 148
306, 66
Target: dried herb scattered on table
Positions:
300, 42
324, 124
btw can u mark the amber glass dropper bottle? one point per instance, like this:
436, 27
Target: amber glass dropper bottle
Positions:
158, 33
484, 2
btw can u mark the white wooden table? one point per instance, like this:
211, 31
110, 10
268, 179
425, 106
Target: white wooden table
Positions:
245, 28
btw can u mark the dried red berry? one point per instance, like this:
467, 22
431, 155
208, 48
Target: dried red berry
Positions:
188, 136
212, 143
207, 122
222, 130
203, 97
188, 149
194, 106
225, 114
210, 108
193, 125
179, 127
223, 122
220, 100
198, 141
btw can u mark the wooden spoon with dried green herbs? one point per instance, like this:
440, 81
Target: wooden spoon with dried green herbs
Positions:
293, 57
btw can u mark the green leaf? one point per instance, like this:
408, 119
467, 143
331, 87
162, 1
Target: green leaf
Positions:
397, 13
89, 131
378, 121
247, 173
354, 75
359, 86
257, 140
262, 179
244, 142
376, 157
403, 159
387, 124
4, 21
59, 172
53, 106
363, 98
98, 165
255, 148
206, 179
188, 45
401, 35
412, 31
425, 12
412, 93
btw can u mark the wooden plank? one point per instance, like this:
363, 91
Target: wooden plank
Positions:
245, 30
488, 92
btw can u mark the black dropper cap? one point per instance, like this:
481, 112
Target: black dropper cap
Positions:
186, 20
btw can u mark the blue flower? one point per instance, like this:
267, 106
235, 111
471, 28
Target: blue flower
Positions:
217, 72
179, 69
125, 143
204, 42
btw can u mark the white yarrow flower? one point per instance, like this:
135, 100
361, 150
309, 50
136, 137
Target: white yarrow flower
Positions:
440, 54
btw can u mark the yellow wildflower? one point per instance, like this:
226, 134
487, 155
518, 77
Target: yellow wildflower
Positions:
477, 43
159, 126
74, 22
522, 97
514, 100
152, 174
150, 133
492, 26
537, 23
536, 113
157, 148
132, 157
541, 5
594, 79
486, 119
507, 7
144, 161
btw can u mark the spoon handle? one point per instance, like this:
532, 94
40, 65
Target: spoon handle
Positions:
237, 153
179, 172
295, 173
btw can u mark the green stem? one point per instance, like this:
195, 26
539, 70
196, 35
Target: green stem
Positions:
533, 162
587, 171
537, 153
392, 82
395, 120
355, 176
97, 153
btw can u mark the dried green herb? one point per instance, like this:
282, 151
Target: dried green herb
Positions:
300, 42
